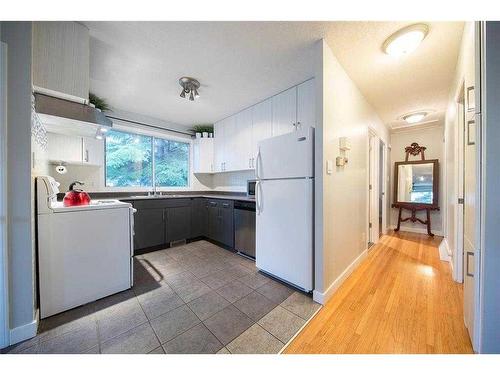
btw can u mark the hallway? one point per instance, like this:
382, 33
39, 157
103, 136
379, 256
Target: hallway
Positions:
401, 299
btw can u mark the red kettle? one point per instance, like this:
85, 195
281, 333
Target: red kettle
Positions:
76, 197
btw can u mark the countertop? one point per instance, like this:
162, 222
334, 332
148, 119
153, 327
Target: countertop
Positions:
180, 196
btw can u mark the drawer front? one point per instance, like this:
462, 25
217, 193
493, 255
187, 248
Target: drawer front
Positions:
161, 203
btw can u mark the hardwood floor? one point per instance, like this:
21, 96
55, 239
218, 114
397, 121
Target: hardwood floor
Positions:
401, 299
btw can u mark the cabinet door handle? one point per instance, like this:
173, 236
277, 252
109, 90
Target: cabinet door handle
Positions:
253, 162
225, 205
299, 125
250, 163
87, 156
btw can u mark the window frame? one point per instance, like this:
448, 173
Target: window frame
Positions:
153, 134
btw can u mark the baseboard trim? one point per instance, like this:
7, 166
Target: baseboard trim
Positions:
417, 230
24, 332
444, 251
323, 297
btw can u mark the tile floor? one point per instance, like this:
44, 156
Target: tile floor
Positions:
194, 298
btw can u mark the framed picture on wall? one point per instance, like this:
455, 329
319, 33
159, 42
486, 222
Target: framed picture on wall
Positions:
471, 99
471, 132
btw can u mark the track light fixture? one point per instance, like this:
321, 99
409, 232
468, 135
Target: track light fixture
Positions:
189, 86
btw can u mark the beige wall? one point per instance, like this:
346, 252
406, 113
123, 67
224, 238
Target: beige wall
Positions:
341, 206
464, 73
432, 138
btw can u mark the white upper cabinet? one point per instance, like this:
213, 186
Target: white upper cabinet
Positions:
219, 142
75, 150
64, 148
285, 112
61, 58
262, 114
242, 148
306, 104
93, 151
237, 137
203, 155
230, 144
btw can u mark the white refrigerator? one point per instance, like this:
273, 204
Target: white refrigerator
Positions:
285, 207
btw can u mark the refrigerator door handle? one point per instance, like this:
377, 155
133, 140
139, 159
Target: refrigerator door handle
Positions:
257, 197
257, 164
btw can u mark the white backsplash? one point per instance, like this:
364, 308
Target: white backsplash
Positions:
232, 181
93, 178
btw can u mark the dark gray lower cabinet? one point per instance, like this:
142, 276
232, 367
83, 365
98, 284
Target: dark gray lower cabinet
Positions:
220, 221
178, 223
199, 217
161, 221
227, 222
149, 228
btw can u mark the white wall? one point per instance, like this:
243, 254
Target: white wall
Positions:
464, 73
433, 139
341, 203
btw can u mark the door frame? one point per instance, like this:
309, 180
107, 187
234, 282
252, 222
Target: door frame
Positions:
4, 291
383, 175
372, 195
458, 262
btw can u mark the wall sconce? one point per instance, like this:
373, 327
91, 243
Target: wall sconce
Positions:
344, 146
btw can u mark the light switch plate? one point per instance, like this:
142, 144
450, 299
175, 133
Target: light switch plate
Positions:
329, 167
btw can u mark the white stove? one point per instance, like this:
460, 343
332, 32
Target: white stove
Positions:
85, 252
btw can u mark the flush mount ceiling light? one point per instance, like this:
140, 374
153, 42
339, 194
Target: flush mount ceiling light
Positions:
406, 40
190, 87
413, 118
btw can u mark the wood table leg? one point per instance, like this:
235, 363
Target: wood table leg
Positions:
399, 219
429, 223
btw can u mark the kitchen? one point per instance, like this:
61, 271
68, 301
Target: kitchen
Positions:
207, 222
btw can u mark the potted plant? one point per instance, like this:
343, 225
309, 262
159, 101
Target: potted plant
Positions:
98, 102
204, 130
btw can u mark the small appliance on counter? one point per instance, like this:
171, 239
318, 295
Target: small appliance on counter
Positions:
76, 197
251, 188
84, 251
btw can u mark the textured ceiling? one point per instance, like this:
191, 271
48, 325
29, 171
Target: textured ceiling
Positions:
136, 65
397, 86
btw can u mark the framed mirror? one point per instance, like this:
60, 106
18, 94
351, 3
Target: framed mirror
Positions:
416, 183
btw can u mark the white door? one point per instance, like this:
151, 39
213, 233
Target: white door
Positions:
262, 128
230, 143
93, 151
64, 148
285, 112
469, 240
203, 155
284, 230
4, 327
372, 218
306, 104
242, 147
219, 146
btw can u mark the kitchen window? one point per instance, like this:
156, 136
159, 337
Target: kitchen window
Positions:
134, 160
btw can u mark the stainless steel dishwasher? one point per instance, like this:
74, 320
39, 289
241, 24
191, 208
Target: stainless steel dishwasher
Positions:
244, 228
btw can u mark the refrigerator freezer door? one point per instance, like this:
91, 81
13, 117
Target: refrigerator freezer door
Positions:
286, 156
284, 230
